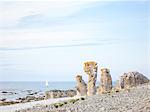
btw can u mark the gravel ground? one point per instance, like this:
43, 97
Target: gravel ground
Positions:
136, 99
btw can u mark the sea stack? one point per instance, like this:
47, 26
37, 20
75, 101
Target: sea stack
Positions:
81, 86
131, 79
90, 69
106, 81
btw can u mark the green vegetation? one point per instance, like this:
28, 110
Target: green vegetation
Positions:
73, 100
56, 105
60, 104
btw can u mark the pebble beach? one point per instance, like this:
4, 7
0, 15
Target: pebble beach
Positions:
136, 99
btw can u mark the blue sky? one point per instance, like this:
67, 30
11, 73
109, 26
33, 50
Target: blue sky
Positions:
50, 40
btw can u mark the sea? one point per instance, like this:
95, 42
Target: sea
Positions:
15, 90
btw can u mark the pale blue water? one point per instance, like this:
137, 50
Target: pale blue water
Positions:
36, 85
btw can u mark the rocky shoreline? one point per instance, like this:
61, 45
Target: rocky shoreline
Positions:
36, 96
28, 96
135, 99
131, 91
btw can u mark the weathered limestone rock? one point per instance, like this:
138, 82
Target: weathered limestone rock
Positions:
91, 69
131, 79
59, 93
81, 86
106, 81
49, 94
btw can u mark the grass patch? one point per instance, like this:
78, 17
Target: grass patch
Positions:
56, 105
73, 100
60, 104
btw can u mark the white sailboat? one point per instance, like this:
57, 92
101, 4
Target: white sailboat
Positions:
46, 83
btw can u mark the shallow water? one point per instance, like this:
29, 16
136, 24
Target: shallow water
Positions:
22, 89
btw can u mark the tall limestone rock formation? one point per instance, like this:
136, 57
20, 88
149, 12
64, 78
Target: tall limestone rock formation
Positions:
81, 86
106, 81
90, 68
131, 79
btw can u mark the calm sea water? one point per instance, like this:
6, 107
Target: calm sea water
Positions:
36, 85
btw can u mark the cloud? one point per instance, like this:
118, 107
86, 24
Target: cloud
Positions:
60, 46
6, 65
12, 13
74, 43
55, 24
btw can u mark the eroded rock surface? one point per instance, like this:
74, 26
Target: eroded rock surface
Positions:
81, 86
106, 81
91, 69
59, 93
131, 79
137, 100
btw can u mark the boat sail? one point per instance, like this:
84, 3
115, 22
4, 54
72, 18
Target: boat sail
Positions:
46, 83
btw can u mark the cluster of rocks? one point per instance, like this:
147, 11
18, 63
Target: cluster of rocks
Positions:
103, 99
59, 93
35, 96
126, 81
137, 100
30, 98
21, 100
82, 89
131, 79
8, 92
90, 89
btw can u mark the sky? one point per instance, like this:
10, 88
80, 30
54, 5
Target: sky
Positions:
50, 40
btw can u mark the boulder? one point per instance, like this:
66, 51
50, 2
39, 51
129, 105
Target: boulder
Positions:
30, 98
105, 81
70, 93
9, 93
81, 86
59, 93
90, 69
4, 99
131, 79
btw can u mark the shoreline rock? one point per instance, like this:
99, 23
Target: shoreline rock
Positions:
60, 93
132, 79
105, 81
81, 86
137, 100
90, 69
